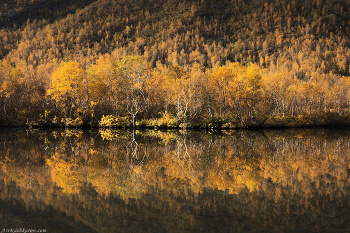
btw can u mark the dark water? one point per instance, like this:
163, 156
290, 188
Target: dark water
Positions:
187, 181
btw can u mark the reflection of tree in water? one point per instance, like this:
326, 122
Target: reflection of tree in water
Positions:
273, 174
230, 163
237, 163
66, 160
129, 163
65, 173
20, 156
133, 178
181, 165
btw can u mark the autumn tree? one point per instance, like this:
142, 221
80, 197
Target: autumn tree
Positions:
69, 89
132, 75
253, 105
184, 86
103, 89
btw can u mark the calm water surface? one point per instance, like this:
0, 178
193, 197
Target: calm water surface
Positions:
175, 181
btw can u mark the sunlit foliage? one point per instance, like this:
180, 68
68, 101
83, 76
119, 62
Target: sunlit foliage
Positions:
224, 64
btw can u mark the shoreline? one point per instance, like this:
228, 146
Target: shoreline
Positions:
185, 126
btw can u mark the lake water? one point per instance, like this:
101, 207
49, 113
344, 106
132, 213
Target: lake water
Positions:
293, 180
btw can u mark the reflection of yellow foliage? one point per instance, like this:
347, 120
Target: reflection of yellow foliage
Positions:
133, 185
333, 158
102, 180
191, 165
127, 192
72, 132
14, 174
97, 160
108, 134
233, 175
92, 151
99, 175
166, 137
182, 169
65, 174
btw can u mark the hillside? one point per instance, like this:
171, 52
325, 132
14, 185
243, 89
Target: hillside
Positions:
14, 14
302, 45
196, 31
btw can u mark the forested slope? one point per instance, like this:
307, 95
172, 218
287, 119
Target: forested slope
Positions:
233, 63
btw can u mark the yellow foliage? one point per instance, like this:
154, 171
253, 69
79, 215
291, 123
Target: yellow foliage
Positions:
66, 81
70, 122
108, 121
65, 174
167, 120
101, 79
68, 87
